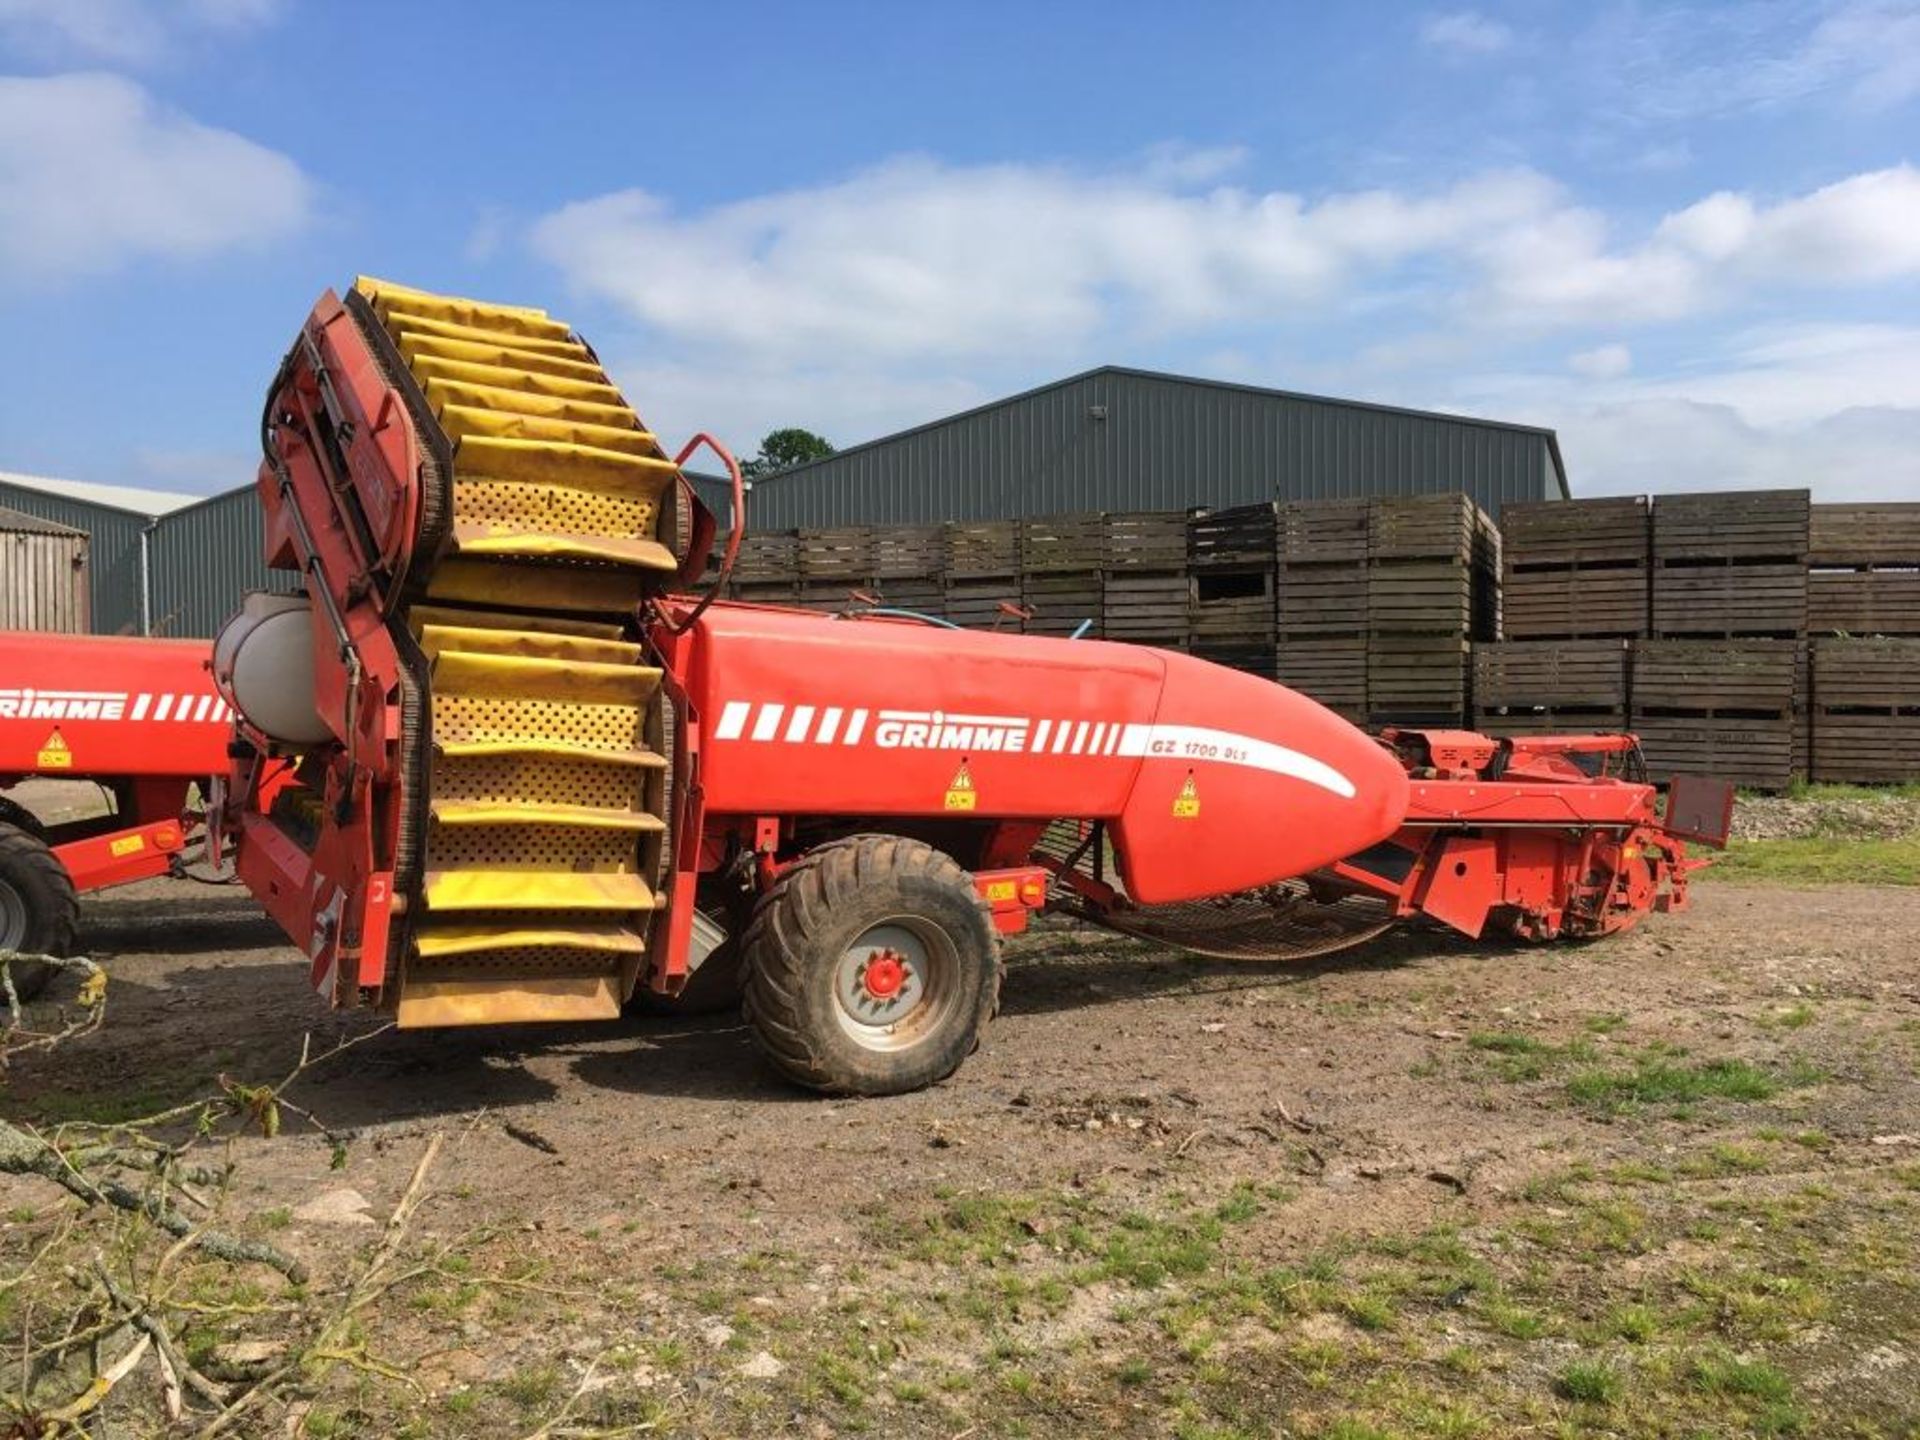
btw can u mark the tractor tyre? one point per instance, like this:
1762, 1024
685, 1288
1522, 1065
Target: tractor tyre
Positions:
39, 911
872, 967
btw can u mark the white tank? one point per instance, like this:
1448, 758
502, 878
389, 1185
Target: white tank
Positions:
263, 666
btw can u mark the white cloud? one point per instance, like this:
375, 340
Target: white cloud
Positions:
1603, 362
124, 32
95, 173
1466, 33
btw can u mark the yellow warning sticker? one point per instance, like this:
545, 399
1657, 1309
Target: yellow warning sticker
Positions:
127, 845
54, 755
1000, 891
1186, 805
960, 792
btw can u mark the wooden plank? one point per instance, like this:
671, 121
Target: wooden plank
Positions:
1253, 660
839, 552
1758, 677
1574, 674
1323, 532
1146, 540
977, 602
1755, 753
1549, 720
1730, 524
982, 547
1237, 535
1864, 602
1866, 749
1567, 602
1879, 533
1332, 671
1145, 609
1423, 527
1414, 679
768, 556
1062, 602
1420, 597
1730, 599
923, 597
1322, 599
1611, 531
909, 552
766, 592
1866, 674
1050, 543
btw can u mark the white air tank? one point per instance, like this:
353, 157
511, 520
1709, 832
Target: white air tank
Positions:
263, 666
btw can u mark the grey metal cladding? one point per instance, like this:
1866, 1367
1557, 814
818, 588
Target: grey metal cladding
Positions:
113, 551
1120, 439
203, 559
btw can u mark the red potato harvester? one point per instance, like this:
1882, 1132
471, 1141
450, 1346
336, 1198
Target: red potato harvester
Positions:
140, 718
535, 776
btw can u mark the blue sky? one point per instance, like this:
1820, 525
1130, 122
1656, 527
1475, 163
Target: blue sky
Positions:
1688, 237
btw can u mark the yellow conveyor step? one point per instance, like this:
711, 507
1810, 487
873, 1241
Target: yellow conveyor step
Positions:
451, 890
534, 644
416, 347
405, 322
427, 368
442, 941
556, 749
433, 1001
458, 672
442, 394
608, 549
587, 817
465, 422
421, 616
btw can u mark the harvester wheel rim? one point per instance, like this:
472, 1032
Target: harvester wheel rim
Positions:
895, 982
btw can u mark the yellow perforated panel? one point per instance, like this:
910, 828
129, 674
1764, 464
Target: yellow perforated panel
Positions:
471, 717
531, 847
555, 780
516, 506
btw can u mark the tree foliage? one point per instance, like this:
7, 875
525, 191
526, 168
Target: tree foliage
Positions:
783, 449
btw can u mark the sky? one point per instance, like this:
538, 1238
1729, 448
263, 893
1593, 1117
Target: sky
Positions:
1687, 237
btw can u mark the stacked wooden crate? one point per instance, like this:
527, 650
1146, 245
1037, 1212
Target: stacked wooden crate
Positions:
836, 566
1576, 569
1864, 569
1730, 564
1144, 597
1321, 613
1061, 560
982, 577
1432, 565
909, 568
1866, 710
1550, 687
767, 569
1725, 708
1230, 559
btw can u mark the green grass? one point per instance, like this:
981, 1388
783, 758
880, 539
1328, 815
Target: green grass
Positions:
1820, 860
1752, 1379
1655, 1080
1592, 1382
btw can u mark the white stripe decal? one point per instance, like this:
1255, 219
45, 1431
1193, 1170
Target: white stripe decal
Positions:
1113, 738
1244, 750
856, 727
767, 723
829, 725
1098, 739
733, 720
1040, 737
1062, 735
204, 708
140, 703
1080, 737
801, 722
164, 708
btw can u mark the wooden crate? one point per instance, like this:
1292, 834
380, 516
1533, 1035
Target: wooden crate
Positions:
1550, 687
1153, 540
1063, 544
768, 556
839, 552
1746, 525
1326, 599
1252, 659
909, 552
1729, 598
1332, 671
832, 596
1424, 527
924, 596
1866, 711
1146, 609
1572, 674
1703, 677
982, 547
1417, 680
1421, 597
1236, 537
1062, 602
1606, 532
1232, 607
977, 603
1865, 577
1759, 754
1863, 602
766, 592
1575, 602
1323, 532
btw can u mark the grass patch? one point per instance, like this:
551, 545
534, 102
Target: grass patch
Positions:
1590, 1382
1658, 1080
1819, 860
1751, 1379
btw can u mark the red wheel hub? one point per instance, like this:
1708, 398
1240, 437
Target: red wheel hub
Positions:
884, 975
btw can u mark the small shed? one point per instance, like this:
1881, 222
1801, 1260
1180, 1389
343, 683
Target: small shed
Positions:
43, 575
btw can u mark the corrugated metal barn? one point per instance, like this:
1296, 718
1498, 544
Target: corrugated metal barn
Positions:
1118, 439
158, 563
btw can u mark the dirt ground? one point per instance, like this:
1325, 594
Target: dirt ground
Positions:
1661, 1185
